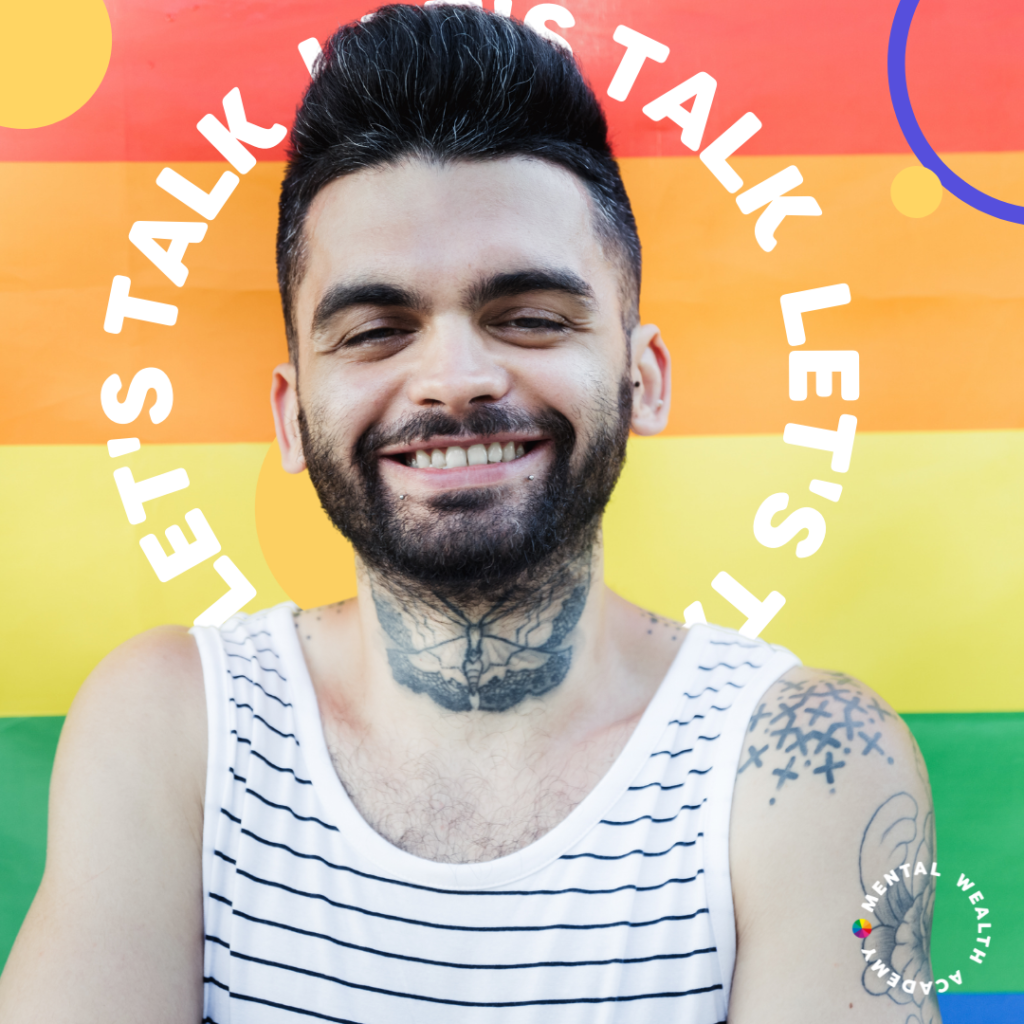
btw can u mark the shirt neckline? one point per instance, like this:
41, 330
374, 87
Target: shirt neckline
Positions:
383, 856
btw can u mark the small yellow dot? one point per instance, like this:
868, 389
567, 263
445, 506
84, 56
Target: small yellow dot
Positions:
916, 191
53, 56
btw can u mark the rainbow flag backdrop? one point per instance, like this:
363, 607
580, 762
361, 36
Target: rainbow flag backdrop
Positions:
918, 585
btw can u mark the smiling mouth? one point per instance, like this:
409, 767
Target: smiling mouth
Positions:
458, 457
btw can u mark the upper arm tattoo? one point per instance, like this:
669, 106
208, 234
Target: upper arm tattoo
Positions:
811, 729
897, 852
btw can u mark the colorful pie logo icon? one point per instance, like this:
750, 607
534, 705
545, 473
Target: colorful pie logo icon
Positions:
861, 928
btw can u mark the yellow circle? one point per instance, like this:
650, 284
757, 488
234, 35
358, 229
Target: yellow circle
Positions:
311, 561
916, 191
53, 56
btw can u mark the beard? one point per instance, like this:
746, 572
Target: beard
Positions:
467, 545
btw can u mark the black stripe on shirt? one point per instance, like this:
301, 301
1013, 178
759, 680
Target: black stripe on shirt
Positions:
653, 820
262, 668
460, 892
732, 668
463, 1002
737, 643
278, 768
676, 721
293, 1009
468, 927
285, 807
470, 967
248, 636
621, 856
284, 735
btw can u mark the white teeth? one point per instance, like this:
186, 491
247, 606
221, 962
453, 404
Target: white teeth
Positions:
475, 455
455, 458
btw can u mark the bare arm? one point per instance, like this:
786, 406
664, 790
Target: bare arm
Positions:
831, 796
115, 932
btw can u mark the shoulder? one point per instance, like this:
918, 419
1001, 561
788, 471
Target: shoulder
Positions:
136, 729
115, 928
147, 694
135, 736
826, 729
831, 792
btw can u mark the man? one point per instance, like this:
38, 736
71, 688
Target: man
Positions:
489, 789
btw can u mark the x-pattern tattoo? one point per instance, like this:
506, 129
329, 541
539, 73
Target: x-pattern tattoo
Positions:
754, 758
835, 711
879, 710
825, 739
757, 716
785, 773
828, 767
491, 660
872, 744
818, 712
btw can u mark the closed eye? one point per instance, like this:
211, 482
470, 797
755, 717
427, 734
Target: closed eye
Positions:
534, 323
375, 334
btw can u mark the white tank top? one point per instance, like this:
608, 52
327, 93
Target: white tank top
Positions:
622, 912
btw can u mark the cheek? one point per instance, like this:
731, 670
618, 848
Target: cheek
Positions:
571, 380
343, 404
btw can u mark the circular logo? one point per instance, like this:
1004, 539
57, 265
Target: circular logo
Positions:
861, 928
900, 95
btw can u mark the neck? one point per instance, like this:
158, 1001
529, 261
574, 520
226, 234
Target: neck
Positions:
470, 649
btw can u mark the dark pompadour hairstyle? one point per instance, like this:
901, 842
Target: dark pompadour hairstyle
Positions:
447, 83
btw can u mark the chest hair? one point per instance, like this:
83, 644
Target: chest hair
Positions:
474, 811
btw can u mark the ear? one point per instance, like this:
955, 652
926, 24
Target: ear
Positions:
651, 378
284, 403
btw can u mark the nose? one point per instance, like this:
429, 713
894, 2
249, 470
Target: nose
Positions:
456, 367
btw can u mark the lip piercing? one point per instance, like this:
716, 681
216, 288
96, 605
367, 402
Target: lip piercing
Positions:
530, 477
402, 497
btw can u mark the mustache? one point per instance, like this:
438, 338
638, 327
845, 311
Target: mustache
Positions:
484, 419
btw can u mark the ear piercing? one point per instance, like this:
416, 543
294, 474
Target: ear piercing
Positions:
530, 477
402, 497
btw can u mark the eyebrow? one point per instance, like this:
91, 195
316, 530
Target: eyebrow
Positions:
503, 286
364, 293
500, 286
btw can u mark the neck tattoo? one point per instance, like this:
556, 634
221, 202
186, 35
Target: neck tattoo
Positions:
487, 656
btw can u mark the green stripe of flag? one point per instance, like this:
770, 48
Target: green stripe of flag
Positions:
976, 764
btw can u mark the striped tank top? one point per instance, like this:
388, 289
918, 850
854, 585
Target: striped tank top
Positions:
622, 912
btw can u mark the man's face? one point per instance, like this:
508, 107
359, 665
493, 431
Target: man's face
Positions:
463, 390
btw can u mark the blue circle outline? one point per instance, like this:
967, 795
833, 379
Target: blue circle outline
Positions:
951, 182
